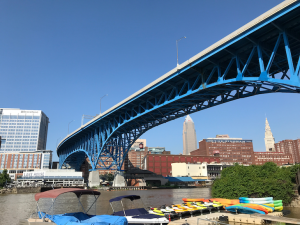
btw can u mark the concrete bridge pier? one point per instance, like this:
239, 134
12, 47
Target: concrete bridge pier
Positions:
119, 180
94, 180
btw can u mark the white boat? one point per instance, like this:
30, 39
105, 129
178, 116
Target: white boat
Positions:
136, 215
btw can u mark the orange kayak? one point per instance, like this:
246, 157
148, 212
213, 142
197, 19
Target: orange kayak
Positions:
225, 201
192, 199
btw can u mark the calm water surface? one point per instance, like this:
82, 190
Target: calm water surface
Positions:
14, 207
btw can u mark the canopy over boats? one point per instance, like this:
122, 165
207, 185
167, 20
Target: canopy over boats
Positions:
56, 192
119, 198
71, 218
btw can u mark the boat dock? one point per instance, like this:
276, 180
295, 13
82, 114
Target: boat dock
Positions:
213, 218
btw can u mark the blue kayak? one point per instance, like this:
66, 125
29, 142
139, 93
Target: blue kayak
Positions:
243, 209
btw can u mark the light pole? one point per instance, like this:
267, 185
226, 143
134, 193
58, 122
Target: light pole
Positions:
69, 125
177, 48
57, 141
100, 103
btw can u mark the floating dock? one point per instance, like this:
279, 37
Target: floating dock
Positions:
213, 218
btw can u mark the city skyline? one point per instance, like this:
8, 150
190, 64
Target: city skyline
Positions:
62, 60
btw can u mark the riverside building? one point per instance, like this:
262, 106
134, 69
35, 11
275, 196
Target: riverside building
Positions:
289, 147
23, 130
162, 163
23, 141
230, 150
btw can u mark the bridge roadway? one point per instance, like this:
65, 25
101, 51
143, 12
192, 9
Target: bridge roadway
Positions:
261, 57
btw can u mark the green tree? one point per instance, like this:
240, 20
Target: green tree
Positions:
110, 177
4, 178
267, 180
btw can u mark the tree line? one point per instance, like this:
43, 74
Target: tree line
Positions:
256, 181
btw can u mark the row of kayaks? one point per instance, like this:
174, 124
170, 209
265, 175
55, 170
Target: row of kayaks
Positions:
245, 204
241, 205
185, 208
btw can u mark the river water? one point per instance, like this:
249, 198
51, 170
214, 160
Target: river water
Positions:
14, 207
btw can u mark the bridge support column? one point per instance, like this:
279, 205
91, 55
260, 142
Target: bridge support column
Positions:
119, 180
94, 179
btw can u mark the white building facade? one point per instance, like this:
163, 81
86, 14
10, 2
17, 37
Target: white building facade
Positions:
212, 170
56, 177
189, 136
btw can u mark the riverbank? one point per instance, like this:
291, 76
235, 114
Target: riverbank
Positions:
20, 190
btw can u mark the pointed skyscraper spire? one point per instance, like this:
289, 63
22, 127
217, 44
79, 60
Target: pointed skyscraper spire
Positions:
269, 139
189, 136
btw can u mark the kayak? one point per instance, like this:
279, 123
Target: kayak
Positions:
255, 206
242, 209
257, 202
269, 208
193, 199
279, 208
256, 199
225, 201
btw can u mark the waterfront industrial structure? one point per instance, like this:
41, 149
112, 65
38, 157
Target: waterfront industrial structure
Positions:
189, 136
23, 141
269, 139
260, 57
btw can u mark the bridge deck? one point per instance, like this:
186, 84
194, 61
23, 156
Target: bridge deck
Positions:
260, 57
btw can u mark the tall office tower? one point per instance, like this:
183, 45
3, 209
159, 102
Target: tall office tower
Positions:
23, 130
189, 136
269, 139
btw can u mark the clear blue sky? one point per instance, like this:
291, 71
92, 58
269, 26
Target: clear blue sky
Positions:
62, 56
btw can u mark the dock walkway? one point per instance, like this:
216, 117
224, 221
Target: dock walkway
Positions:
212, 218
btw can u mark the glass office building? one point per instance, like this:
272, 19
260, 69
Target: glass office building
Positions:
23, 130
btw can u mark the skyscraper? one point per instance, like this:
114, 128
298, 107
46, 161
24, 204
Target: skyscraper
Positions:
269, 139
23, 130
189, 136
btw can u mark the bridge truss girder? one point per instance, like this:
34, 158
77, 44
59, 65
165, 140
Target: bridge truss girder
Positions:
257, 68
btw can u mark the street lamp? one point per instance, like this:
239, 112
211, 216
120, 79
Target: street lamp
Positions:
177, 48
100, 103
57, 141
69, 125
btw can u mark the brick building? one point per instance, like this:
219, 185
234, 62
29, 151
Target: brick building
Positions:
19, 162
230, 150
161, 163
280, 158
290, 147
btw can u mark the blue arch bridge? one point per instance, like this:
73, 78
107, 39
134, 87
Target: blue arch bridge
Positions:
259, 58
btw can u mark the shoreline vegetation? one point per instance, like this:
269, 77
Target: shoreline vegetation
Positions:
256, 181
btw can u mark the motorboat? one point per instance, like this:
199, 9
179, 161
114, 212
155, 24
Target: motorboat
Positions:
135, 215
47, 217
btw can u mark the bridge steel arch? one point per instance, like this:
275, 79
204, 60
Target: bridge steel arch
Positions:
261, 57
